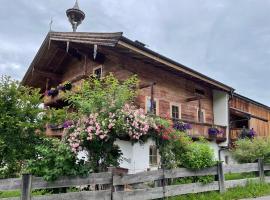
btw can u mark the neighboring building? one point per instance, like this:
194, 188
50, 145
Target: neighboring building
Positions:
249, 114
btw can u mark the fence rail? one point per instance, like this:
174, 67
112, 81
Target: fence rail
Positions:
143, 186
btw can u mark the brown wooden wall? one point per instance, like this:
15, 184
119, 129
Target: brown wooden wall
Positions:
261, 127
169, 87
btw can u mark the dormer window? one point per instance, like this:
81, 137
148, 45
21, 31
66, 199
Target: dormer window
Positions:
97, 72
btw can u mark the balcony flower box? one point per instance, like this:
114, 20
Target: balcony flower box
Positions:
213, 132
181, 126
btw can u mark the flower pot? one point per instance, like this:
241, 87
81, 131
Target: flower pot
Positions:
53, 93
68, 86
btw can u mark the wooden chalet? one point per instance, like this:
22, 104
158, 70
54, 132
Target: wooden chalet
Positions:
167, 88
176, 90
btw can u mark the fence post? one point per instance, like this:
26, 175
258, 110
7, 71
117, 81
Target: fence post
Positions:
26, 187
261, 169
221, 177
117, 171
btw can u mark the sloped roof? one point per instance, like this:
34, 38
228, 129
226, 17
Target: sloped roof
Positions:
119, 44
103, 39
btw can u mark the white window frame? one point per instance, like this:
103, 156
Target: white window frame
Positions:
179, 109
98, 67
157, 157
157, 104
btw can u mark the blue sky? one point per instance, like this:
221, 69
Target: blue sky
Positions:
227, 40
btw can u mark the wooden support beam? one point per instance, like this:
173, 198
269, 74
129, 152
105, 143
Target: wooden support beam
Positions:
146, 85
193, 98
48, 74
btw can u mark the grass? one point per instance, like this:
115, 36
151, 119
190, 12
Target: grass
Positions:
7, 194
236, 176
17, 193
250, 191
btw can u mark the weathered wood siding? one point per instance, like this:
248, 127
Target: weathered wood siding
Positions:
169, 87
239, 104
260, 116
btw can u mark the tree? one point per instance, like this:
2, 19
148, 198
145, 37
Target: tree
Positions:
20, 118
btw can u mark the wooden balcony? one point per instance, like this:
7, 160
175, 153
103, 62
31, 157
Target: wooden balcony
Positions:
59, 98
201, 130
235, 133
54, 132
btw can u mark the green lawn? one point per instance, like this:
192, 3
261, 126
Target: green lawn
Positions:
250, 191
7, 194
236, 176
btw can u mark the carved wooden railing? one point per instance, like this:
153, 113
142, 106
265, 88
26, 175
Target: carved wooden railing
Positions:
54, 132
201, 130
52, 100
235, 133
197, 130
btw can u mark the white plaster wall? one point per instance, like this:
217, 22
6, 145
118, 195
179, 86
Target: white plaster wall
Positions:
127, 150
223, 153
136, 156
221, 111
215, 148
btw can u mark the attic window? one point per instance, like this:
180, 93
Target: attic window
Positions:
199, 92
97, 72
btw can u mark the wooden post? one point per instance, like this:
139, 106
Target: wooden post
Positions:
152, 99
261, 169
118, 171
26, 187
221, 177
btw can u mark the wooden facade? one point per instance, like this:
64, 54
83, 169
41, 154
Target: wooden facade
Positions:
69, 57
250, 114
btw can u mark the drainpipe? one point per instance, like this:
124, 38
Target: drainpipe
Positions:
219, 152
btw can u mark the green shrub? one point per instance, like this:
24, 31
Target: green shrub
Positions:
198, 155
183, 152
54, 159
248, 151
21, 116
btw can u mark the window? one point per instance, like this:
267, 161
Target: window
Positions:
201, 115
153, 155
148, 106
175, 111
97, 72
200, 92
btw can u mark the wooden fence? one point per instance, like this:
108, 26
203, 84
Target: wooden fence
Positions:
144, 185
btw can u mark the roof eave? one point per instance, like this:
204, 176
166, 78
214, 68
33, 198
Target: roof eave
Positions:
251, 101
30, 69
148, 52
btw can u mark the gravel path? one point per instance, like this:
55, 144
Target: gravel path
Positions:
260, 198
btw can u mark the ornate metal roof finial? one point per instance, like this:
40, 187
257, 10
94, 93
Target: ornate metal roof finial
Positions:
75, 16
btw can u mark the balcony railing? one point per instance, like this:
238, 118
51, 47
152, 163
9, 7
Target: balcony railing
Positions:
53, 100
54, 132
235, 133
201, 130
